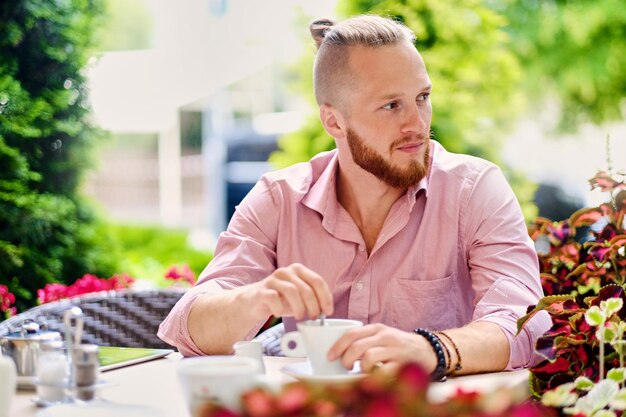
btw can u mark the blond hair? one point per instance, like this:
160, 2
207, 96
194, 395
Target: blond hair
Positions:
333, 40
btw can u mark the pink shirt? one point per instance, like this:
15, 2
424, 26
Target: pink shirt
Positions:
454, 249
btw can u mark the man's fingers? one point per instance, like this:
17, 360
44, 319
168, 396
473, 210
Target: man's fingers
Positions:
374, 358
273, 302
290, 295
348, 340
303, 289
320, 288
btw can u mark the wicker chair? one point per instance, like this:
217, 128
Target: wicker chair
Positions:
128, 318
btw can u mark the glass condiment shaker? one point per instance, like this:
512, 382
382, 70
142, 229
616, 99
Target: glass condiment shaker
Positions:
53, 369
85, 370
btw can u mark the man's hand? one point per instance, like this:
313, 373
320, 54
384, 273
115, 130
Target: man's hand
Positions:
377, 345
291, 291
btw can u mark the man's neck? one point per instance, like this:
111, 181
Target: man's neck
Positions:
367, 199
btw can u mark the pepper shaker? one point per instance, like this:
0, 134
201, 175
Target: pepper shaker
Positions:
86, 369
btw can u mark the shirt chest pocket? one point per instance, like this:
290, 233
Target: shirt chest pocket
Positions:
423, 303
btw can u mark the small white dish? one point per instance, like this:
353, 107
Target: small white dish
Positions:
303, 372
98, 408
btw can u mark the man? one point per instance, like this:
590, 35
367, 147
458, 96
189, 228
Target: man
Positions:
389, 229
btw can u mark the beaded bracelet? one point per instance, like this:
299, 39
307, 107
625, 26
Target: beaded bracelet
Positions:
439, 374
448, 356
458, 366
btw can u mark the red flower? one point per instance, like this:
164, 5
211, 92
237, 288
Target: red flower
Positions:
120, 282
86, 284
185, 274
51, 292
385, 406
7, 299
415, 377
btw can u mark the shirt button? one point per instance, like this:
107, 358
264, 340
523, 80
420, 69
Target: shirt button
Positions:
359, 286
361, 248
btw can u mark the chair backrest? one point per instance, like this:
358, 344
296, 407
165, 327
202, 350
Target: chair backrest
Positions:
128, 318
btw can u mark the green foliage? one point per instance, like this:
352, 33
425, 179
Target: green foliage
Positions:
574, 50
47, 233
148, 251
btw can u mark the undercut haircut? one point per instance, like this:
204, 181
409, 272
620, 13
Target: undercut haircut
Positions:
333, 40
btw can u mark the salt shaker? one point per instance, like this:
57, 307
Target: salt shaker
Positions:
85, 370
251, 349
53, 369
8, 381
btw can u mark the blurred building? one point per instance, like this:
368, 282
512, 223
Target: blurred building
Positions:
196, 112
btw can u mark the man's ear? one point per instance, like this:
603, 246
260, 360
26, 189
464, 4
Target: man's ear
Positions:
333, 121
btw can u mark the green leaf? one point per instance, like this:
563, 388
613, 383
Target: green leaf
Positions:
611, 306
561, 396
583, 383
594, 316
597, 398
618, 401
617, 374
619, 346
545, 303
605, 333
604, 413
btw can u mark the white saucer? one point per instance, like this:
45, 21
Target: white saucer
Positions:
99, 408
303, 372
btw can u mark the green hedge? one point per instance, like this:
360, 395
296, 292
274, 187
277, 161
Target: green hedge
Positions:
48, 232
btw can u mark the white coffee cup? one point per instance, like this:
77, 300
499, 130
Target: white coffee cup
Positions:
314, 340
8, 381
217, 379
251, 349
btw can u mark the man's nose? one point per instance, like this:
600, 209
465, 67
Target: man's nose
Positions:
414, 121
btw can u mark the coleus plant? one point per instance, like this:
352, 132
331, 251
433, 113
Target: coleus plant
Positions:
583, 272
571, 348
585, 252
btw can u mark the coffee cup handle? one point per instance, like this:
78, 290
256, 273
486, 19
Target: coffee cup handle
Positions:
292, 345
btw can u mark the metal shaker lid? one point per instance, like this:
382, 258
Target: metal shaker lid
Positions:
31, 331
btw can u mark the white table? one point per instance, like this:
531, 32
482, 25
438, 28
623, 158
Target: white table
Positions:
155, 384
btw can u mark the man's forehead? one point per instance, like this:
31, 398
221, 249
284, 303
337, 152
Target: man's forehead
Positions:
383, 70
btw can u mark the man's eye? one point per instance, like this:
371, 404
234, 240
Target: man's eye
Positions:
423, 97
391, 106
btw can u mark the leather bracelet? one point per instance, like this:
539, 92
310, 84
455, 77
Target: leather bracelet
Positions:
458, 366
439, 374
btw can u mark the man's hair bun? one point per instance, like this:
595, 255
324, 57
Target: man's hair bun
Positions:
318, 30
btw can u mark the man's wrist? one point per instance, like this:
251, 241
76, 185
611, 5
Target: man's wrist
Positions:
439, 374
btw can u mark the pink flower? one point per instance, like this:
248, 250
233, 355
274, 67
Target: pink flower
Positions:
185, 274
120, 282
7, 299
51, 292
86, 284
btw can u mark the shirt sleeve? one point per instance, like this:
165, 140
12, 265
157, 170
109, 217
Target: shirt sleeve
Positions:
503, 264
245, 253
